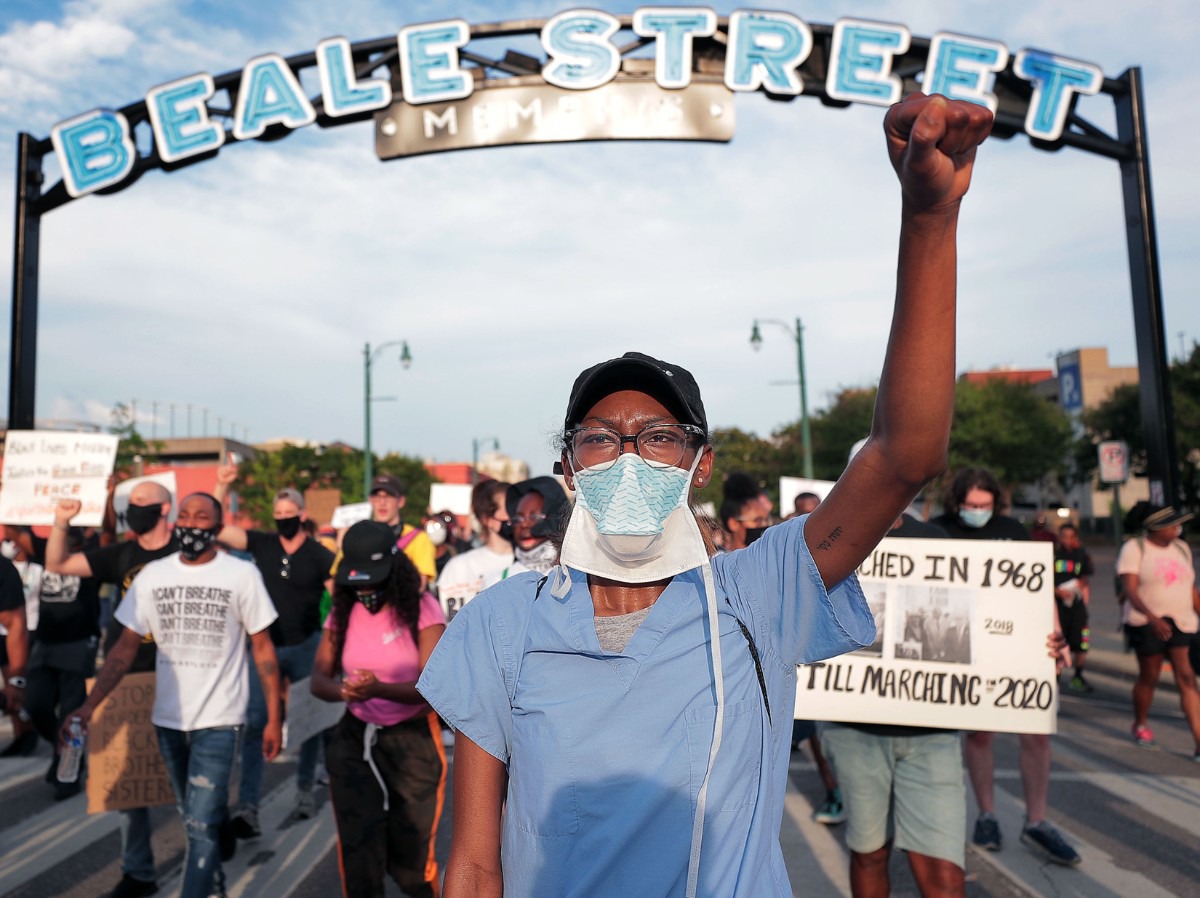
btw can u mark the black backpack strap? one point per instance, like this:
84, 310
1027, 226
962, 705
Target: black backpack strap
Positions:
762, 683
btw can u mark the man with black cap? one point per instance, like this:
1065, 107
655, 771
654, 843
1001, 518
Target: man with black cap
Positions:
1160, 615
387, 498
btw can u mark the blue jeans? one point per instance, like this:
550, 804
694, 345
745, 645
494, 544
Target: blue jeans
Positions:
199, 763
295, 663
137, 859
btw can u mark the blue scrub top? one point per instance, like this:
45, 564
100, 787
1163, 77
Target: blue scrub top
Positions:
606, 752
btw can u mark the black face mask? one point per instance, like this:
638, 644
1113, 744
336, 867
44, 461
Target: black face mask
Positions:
142, 519
288, 527
371, 599
195, 541
753, 533
506, 531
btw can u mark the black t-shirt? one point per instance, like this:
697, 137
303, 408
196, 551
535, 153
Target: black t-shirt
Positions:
295, 583
909, 528
69, 610
998, 527
12, 591
1070, 564
119, 564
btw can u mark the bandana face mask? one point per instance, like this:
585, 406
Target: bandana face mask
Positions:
371, 599
195, 541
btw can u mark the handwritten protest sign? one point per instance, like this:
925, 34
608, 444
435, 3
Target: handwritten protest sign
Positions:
43, 466
961, 641
125, 769
125, 487
308, 715
345, 515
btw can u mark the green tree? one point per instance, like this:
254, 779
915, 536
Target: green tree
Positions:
737, 450
834, 431
132, 446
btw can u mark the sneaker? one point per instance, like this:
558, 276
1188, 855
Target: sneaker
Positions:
322, 777
1080, 685
987, 833
832, 812
244, 824
129, 887
306, 807
1142, 736
226, 840
1049, 841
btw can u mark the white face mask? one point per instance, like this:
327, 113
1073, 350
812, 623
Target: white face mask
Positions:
8, 549
631, 523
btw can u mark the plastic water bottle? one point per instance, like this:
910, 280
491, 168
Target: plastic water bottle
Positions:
72, 755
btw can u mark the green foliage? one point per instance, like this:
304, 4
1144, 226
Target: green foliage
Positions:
304, 466
737, 450
1119, 417
1008, 429
132, 445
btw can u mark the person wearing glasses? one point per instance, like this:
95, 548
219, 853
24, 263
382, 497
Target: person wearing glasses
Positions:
537, 508
624, 721
295, 569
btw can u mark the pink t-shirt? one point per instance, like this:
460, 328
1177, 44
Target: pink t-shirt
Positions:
384, 645
1165, 581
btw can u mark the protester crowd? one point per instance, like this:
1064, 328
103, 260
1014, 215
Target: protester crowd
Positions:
619, 673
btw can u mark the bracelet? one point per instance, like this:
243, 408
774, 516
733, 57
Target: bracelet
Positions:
17, 682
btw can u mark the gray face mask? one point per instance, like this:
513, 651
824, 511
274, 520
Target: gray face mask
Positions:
540, 558
975, 517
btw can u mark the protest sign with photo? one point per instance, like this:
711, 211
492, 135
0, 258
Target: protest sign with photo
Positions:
961, 628
125, 487
125, 768
308, 715
43, 466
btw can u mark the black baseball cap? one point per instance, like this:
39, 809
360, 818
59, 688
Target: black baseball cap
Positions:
388, 483
367, 550
672, 385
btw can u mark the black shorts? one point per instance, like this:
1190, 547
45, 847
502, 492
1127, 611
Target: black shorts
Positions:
1145, 642
1074, 621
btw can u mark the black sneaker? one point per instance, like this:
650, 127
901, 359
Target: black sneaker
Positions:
1048, 841
987, 833
129, 887
226, 840
21, 747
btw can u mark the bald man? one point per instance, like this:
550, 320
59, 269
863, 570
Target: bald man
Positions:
147, 517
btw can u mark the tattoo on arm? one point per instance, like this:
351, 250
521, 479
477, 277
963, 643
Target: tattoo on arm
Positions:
111, 673
833, 537
267, 668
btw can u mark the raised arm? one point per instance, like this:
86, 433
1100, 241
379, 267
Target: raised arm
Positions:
230, 535
932, 143
58, 559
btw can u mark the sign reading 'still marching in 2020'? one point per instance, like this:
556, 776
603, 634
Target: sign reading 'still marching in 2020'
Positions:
763, 50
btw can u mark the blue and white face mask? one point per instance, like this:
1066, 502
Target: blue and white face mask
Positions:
631, 497
975, 517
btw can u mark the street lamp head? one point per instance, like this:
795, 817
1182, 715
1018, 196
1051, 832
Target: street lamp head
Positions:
405, 356
755, 338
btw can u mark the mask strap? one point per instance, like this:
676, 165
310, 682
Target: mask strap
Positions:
560, 581
714, 648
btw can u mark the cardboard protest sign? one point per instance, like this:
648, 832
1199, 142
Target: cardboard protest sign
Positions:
125, 768
43, 466
960, 643
308, 715
345, 515
125, 487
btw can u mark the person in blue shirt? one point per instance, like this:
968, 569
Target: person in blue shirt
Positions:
624, 721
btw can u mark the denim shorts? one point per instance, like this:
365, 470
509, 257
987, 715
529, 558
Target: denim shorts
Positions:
903, 788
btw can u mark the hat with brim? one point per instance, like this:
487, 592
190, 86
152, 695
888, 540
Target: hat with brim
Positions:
367, 550
1166, 517
671, 385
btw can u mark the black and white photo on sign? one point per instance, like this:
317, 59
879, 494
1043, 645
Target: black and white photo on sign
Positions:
934, 623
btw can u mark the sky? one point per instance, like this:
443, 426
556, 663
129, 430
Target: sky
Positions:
247, 285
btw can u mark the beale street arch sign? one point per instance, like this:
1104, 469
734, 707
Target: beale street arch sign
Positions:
661, 73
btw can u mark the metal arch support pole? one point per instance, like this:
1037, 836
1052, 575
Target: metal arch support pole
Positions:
22, 359
1146, 282
805, 430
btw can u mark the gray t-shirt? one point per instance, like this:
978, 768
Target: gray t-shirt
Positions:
614, 633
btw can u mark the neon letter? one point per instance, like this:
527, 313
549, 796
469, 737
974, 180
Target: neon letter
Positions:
94, 151
581, 54
179, 118
429, 71
958, 68
673, 30
341, 91
765, 48
860, 61
1055, 80
269, 94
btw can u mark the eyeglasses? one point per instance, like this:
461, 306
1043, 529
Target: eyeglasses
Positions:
529, 519
661, 445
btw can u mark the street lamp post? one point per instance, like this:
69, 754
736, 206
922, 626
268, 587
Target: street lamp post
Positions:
475, 444
368, 358
797, 335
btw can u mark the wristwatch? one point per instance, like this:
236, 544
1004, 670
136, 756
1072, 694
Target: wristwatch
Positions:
18, 682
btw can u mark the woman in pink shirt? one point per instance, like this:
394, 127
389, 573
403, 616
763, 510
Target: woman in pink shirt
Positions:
387, 768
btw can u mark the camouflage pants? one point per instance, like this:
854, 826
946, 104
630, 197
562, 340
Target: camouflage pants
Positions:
398, 840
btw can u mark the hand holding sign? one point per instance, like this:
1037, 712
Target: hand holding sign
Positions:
932, 143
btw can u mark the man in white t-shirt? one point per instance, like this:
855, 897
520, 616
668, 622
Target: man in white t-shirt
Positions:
468, 574
199, 606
